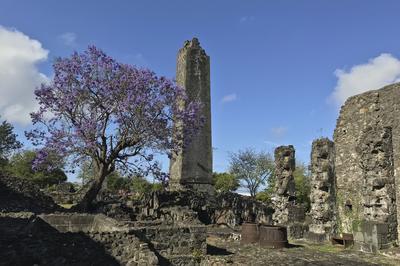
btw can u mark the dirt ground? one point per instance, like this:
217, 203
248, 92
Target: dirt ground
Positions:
229, 252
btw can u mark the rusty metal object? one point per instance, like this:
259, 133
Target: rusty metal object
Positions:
347, 240
250, 233
273, 236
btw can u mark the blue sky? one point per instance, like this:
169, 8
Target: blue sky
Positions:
279, 69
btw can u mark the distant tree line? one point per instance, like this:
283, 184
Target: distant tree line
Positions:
117, 182
248, 169
254, 171
18, 162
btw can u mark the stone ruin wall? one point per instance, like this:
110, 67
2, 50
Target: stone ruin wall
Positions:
284, 195
367, 163
189, 207
322, 195
379, 197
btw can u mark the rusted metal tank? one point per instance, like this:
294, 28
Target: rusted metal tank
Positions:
273, 236
250, 233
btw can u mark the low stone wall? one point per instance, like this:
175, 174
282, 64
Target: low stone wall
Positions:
178, 244
118, 240
78, 222
172, 241
126, 248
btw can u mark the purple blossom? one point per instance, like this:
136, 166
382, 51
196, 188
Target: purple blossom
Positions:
110, 112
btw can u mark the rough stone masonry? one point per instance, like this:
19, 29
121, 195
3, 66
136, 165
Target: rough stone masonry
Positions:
322, 194
284, 196
367, 163
192, 167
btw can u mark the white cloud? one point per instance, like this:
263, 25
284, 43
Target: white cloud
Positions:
279, 132
229, 98
69, 39
245, 19
378, 72
19, 75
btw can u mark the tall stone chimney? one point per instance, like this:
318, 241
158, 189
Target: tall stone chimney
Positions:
192, 167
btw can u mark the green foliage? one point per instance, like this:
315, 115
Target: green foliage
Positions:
157, 187
140, 186
267, 194
264, 196
252, 169
117, 182
8, 140
302, 182
20, 165
224, 182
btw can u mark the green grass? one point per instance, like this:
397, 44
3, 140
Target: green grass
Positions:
67, 206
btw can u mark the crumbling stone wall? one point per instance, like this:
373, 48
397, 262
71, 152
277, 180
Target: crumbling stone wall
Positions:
375, 150
19, 194
172, 241
26, 239
322, 194
284, 196
118, 240
185, 207
360, 130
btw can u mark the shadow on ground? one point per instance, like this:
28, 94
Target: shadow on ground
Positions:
30, 241
216, 251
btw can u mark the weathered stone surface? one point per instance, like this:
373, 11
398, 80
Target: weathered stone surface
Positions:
63, 193
82, 222
19, 194
192, 167
284, 195
322, 195
30, 241
367, 162
117, 239
376, 153
175, 240
372, 236
228, 209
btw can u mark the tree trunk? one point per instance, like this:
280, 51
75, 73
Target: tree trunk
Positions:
86, 202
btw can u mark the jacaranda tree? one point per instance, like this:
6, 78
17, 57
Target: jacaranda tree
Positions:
114, 114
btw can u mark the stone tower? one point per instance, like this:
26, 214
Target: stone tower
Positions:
192, 167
